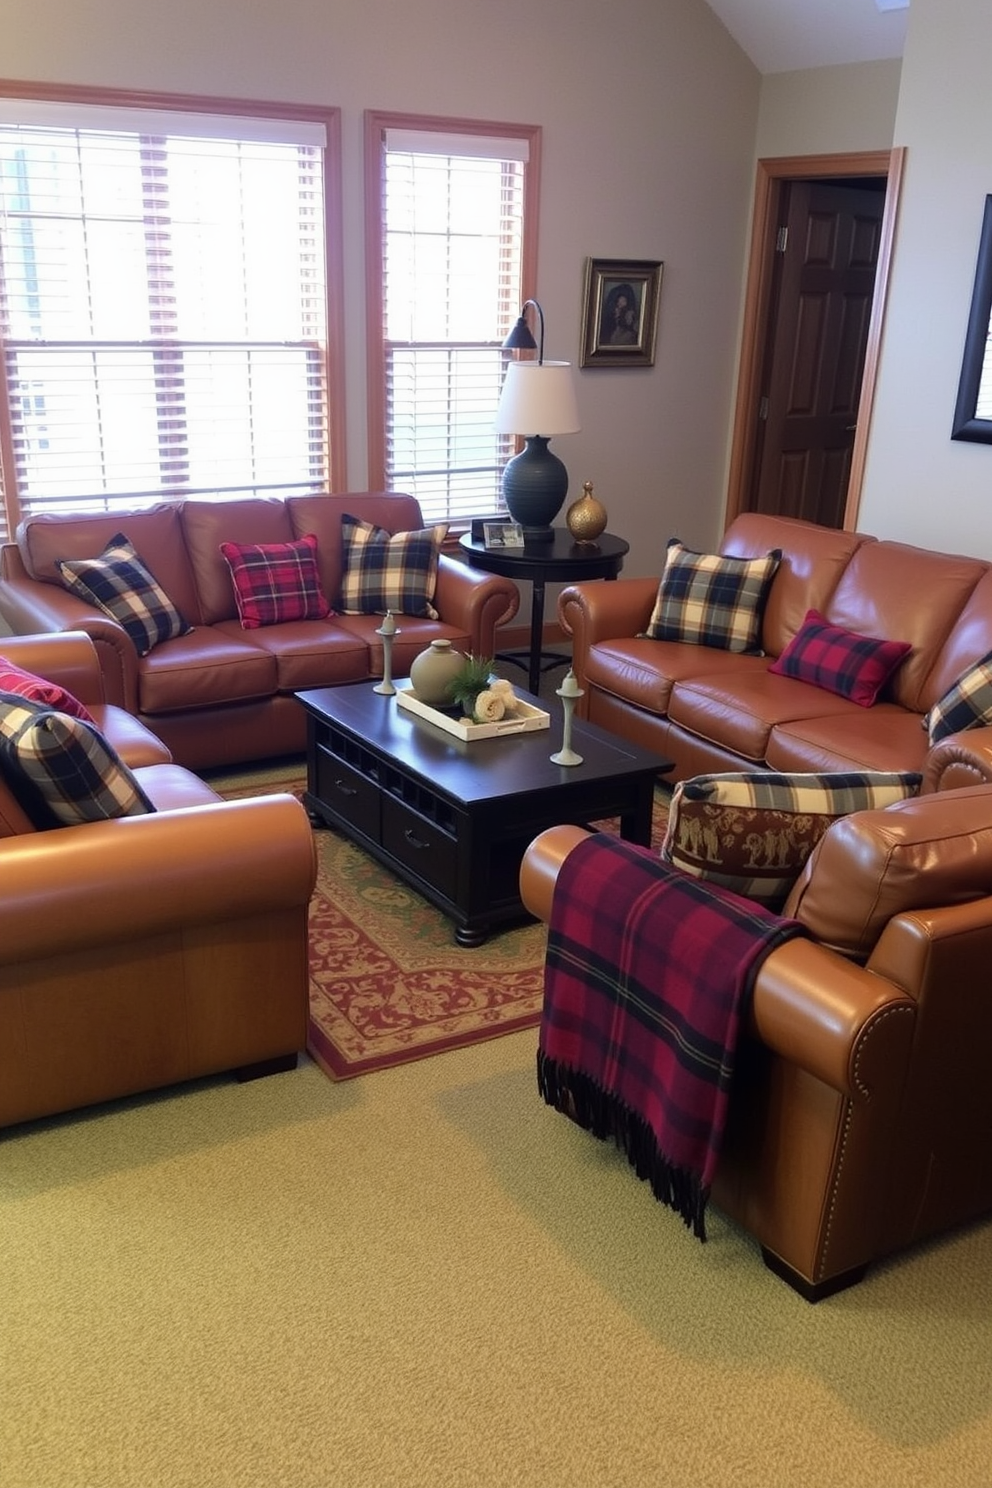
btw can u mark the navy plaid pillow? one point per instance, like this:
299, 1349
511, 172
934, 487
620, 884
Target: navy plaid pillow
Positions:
753, 832
120, 585
384, 572
274, 582
61, 769
709, 599
841, 661
964, 705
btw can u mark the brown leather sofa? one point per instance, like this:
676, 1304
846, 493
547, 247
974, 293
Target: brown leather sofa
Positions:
222, 694
153, 949
860, 1117
709, 710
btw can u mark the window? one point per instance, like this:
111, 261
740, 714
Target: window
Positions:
452, 242
163, 301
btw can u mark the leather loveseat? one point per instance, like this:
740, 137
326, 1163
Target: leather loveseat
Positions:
860, 1109
150, 949
221, 693
709, 710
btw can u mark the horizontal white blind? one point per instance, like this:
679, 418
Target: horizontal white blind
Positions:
164, 315
453, 232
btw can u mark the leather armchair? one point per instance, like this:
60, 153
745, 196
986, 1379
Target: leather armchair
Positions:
861, 1112
153, 949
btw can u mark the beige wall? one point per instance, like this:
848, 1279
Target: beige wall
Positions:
648, 114
921, 485
828, 110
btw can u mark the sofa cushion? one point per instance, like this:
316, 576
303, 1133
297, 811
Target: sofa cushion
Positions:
754, 832
126, 590
965, 704
276, 582
923, 853
384, 571
853, 666
38, 690
712, 600
61, 769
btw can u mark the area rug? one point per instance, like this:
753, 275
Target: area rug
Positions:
388, 983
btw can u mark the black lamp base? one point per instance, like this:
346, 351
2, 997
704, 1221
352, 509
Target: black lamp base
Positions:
535, 484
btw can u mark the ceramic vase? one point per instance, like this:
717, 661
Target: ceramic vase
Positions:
586, 518
432, 671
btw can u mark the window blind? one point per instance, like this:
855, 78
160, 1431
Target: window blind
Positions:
453, 227
164, 307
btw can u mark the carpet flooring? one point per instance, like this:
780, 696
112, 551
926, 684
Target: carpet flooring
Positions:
387, 981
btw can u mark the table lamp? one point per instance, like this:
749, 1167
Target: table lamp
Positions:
537, 401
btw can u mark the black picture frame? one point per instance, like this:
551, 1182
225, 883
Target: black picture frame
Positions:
975, 386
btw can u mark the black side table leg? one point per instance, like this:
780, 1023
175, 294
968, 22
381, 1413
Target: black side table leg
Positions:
536, 636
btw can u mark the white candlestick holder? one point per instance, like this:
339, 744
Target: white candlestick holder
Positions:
387, 630
569, 692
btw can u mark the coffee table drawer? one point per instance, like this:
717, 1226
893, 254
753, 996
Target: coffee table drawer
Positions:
420, 845
348, 793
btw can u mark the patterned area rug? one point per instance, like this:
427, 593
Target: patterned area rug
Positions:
387, 981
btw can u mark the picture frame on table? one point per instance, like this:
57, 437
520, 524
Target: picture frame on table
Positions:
620, 312
502, 534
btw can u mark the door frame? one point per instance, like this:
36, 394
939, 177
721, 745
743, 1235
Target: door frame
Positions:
772, 174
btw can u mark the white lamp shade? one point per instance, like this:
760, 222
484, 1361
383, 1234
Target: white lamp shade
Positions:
538, 398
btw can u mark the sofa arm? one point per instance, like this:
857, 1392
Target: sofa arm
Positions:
959, 760
80, 887
68, 658
31, 606
601, 612
475, 602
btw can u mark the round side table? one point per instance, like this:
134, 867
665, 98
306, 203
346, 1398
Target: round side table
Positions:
562, 561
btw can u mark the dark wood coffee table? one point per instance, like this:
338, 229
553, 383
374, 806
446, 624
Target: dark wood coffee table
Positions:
451, 817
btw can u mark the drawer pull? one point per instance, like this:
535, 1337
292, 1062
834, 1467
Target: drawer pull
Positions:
414, 840
344, 790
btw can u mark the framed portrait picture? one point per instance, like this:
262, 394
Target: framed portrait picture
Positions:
620, 312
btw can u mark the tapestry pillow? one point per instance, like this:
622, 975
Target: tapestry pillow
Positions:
61, 769
712, 600
38, 690
274, 582
752, 833
853, 666
964, 705
121, 585
395, 572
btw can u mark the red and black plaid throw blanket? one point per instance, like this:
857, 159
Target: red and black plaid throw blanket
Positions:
646, 979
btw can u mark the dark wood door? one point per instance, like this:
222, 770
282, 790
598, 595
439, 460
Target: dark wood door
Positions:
826, 258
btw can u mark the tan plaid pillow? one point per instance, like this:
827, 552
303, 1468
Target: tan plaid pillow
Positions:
709, 599
752, 833
395, 572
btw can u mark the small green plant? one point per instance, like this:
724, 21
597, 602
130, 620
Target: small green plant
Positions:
473, 678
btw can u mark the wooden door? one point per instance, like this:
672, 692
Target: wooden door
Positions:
827, 250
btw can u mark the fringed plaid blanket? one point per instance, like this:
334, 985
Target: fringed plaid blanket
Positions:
646, 978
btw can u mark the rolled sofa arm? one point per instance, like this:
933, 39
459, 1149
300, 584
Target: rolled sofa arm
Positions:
959, 760
476, 602
79, 887
810, 1005
68, 658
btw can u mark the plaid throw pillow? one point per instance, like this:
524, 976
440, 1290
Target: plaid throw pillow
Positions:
752, 833
964, 705
841, 661
39, 690
61, 769
274, 582
120, 585
383, 572
710, 600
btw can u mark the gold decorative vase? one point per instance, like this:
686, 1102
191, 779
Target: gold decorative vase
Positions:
586, 518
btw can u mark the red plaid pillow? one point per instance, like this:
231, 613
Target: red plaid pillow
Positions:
854, 666
274, 582
38, 690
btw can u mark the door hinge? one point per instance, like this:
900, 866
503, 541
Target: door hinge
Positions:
781, 240
763, 409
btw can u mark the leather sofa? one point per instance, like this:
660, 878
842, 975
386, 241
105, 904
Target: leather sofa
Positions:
709, 710
860, 1110
140, 952
222, 694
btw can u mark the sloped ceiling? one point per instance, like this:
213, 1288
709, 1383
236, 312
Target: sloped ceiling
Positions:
786, 35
